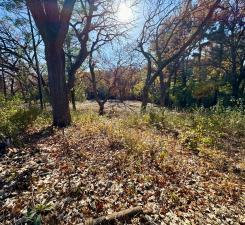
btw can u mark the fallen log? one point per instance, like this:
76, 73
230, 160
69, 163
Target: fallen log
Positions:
112, 218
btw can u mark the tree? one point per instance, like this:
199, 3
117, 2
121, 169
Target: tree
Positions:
171, 30
16, 53
36, 60
19, 45
219, 57
52, 21
94, 25
105, 74
101, 98
229, 35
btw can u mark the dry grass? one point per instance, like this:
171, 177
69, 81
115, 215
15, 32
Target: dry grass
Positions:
104, 164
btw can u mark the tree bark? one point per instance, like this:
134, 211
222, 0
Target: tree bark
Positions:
102, 108
145, 91
100, 102
12, 87
22, 89
52, 21
162, 90
145, 98
73, 99
235, 90
168, 86
58, 90
243, 88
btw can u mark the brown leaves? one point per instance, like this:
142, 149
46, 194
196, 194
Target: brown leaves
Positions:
87, 174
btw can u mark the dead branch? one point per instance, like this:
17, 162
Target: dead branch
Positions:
110, 219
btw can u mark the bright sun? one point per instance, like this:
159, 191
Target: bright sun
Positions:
124, 13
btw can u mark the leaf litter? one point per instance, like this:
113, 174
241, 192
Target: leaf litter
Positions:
84, 172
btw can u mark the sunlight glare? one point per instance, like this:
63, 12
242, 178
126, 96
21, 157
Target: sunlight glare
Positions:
125, 13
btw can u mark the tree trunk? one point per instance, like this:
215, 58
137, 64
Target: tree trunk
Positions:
215, 97
58, 90
52, 20
199, 66
174, 81
73, 99
235, 90
168, 87
102, 108
234, 84
242, 88
12, 87
145, 98
162, 90
22, 90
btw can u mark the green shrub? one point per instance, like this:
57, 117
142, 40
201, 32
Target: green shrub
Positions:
15, 118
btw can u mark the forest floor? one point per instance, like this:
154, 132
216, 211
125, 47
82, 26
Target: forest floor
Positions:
101, 165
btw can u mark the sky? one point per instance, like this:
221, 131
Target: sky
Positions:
126, 13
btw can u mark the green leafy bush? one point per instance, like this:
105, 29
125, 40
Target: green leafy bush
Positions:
15, 117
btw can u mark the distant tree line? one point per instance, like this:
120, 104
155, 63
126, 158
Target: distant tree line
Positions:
211, 68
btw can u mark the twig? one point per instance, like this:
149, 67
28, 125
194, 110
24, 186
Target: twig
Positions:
110, 219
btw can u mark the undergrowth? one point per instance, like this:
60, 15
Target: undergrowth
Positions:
200, 126
203, 131
208, 132
15, 117
159, 143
